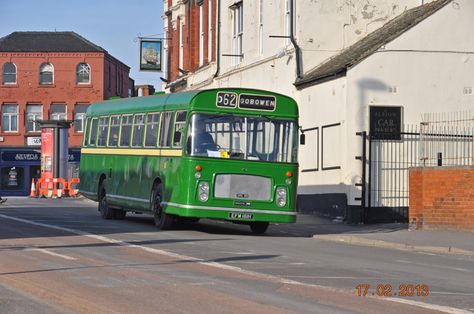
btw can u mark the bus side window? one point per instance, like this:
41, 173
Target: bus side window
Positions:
138, 130
151, 136
179, 124
114, 131
165, 128
125, 130
93, 132
103, 131
85, 136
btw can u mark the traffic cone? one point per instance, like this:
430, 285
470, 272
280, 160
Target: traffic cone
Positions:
33, 188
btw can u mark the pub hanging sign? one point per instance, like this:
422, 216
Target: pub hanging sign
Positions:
385, 122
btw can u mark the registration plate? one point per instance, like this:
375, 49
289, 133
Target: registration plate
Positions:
240, 216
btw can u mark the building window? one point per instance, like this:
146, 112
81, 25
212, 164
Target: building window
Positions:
9, 73
237, 32
46, 74
209, 32
83, 73
79, 117
201, 35
181, 44
58, 112
165, 56
33, 114
10, 118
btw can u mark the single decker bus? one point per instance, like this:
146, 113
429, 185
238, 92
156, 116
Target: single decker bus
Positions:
228, 154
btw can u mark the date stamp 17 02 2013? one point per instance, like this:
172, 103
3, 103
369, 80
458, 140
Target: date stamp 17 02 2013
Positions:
387, 290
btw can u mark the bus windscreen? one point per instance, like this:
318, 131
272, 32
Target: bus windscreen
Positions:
242, 137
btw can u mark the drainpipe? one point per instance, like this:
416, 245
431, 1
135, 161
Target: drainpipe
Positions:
299, 73
218, 39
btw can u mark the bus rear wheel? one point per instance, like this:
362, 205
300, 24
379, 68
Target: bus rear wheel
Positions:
259, 227
163, 220
105, 211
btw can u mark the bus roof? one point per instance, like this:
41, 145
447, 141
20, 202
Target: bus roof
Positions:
198, 100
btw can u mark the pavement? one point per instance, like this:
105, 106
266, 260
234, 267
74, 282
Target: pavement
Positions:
397, 236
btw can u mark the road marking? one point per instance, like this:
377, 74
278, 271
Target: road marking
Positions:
254, 274
430, 265
441, 308
70, 258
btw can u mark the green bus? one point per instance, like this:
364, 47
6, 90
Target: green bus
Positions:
228, 154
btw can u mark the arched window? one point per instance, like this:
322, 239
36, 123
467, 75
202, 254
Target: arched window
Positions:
46, 74
9, 73
83, 73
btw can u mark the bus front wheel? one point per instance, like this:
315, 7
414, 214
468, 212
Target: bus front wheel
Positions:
105, 211
259, 227
163, 221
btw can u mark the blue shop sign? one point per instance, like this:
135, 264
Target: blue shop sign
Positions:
21, 156
74, 156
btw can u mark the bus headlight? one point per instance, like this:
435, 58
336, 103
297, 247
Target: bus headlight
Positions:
281, 197
203, 190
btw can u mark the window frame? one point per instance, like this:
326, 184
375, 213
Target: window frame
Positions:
170, 129
51, 111
91, 131
88, 74
237, 32
120, 132
82, 114
10, 115
4, 73
201, 34
107, 118
110, 127
173, 131
133, 131
157, 131
85, 135
41, 71
27, 114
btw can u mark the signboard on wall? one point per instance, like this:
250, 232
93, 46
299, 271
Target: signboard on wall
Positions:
150, 55
385, 122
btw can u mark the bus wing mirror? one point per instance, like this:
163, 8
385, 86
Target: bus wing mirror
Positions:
302, 139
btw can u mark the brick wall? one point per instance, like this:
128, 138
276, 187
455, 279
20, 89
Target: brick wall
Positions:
64, 90
442, 197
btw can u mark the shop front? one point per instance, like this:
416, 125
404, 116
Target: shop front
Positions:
19, 165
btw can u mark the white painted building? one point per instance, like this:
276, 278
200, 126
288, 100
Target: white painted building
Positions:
340, 58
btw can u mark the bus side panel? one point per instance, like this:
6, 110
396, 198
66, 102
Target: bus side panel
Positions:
91, 168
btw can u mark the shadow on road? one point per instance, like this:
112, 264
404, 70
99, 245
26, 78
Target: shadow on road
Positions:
80, 214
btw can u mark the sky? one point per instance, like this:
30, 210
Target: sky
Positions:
112, 24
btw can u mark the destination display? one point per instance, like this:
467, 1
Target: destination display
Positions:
257, 102
227, 100
245, 101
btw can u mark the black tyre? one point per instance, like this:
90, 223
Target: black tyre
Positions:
105, 211
163, 221
259, 227
187, 220
119, 214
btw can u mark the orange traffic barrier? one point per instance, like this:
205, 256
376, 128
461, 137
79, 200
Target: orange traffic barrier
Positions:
42, 187
33, 188
61, 191
72, 190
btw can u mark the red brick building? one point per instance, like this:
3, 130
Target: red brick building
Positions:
190, 28
51, 75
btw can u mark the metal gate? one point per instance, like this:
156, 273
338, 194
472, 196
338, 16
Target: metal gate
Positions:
386, 195
387, 190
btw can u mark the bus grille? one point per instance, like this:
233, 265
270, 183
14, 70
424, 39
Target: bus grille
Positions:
245, 187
